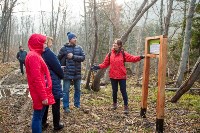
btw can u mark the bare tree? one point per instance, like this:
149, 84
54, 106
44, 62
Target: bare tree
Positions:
54, 25
186, 44
95, 45
6, 14
137, 17
86, 40
5, 27
168, 17
125, 36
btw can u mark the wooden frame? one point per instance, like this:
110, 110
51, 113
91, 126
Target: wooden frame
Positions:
162, 55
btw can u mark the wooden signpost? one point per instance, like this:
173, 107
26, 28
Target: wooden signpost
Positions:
155, 47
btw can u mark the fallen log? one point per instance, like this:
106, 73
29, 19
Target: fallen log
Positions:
194, 76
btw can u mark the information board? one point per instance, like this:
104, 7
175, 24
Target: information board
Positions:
154, 46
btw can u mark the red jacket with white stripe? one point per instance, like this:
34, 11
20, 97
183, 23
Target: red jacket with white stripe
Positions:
116, 63
38, 76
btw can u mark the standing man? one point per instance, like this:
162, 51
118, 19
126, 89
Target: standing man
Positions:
73, 55
21, 55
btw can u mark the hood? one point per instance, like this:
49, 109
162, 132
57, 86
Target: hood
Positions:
36, 43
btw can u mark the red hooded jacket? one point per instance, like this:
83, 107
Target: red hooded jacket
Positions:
38, 76
116, 62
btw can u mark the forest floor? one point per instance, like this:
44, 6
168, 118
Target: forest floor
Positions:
95, 115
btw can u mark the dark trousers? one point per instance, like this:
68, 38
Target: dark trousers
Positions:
22, 63
122, 84
55, 112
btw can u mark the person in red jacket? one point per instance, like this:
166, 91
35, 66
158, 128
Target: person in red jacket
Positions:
117, 72
39, 80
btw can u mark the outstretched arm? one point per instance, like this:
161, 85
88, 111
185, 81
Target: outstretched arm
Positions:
131, 58
105, 63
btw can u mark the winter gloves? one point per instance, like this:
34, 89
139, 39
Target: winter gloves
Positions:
95, 68
142, 57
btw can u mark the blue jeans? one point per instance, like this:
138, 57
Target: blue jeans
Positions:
77, 92
37, 120
122, 84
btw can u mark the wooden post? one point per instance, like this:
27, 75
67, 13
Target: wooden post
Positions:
161, 53
145, 82
161, 84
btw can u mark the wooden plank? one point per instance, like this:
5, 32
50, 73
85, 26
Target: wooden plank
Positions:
152, 55
153, 38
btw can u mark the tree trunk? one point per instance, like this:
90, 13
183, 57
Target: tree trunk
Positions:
168, 17
186, 44
95, 46
106, 76
96, 83
6, 14
86, 42
9, 40
189, 82
140, 47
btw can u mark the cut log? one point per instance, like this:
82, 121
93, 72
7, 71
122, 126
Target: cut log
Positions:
175, 89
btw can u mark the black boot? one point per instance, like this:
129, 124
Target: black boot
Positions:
59, 127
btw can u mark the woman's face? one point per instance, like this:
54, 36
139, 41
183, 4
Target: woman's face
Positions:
115, 46
49, 43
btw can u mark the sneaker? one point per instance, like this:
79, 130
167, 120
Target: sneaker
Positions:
114, 107
45, 126
126, 110
61, 126
67, 110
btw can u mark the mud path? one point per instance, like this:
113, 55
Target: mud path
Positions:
15, 100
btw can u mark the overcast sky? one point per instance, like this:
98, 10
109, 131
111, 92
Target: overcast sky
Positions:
76, 6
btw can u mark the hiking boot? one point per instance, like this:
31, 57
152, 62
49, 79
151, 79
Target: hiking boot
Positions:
114, 107
61, 126
126, 110
67, 110
45, 126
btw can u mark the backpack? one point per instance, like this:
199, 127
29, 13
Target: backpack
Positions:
122, 54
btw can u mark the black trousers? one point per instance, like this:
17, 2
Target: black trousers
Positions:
55, 112
122, 84
22, 63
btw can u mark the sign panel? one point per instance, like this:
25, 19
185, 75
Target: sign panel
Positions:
154, 46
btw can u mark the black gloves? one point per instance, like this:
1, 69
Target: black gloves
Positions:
94, 68
142, 57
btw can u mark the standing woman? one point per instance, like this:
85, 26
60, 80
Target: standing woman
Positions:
56, 75
115, 59
39, 80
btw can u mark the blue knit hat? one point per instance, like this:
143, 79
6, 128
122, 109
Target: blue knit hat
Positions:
70, 35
